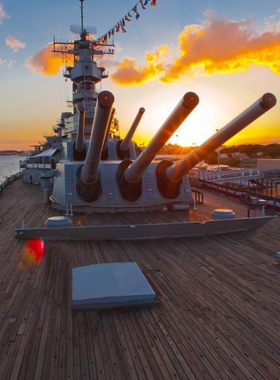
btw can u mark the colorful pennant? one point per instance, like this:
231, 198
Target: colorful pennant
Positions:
121, 24
142, 5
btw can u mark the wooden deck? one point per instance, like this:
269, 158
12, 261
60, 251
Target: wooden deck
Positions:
218, 303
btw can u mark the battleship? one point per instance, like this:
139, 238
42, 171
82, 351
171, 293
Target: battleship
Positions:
212, 308
98, 172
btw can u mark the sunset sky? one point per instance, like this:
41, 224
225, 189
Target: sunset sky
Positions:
228, 52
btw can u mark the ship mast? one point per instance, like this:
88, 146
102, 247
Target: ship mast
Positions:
83, 34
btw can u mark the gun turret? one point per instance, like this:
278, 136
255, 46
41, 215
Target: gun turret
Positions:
79, 149
123, 145
129, 175
169, 175
88, 182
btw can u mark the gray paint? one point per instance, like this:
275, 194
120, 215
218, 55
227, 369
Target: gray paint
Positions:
65, 192
145, 231
110, 285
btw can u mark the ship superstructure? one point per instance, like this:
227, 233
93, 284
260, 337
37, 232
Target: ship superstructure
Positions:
85, 74
74, 128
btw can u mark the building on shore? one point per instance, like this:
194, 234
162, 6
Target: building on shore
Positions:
268, 162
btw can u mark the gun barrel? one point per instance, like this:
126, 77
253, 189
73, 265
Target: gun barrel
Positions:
108, 129
90, 172
186, 105
175, 172
79, 146
127, 140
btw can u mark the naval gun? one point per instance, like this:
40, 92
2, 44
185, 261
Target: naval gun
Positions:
88, 175
129, 174
105, 150
123, 146
79, 148
142, 183
169, 175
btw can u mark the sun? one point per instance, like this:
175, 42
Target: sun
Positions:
197, 127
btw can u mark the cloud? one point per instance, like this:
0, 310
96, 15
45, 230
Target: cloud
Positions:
10, 63
216, 46
14, 44
3, 14
45, 61
129, 74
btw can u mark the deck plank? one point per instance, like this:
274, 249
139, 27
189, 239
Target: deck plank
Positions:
218, 298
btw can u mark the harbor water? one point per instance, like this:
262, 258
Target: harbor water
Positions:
9, 165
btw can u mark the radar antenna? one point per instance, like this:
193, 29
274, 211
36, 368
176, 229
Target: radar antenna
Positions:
82, 30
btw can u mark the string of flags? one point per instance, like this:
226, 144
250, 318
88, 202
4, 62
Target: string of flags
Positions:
121, 25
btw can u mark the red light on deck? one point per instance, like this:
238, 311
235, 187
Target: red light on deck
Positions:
34, 251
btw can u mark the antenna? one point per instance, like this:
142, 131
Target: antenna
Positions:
82, 14
82, 30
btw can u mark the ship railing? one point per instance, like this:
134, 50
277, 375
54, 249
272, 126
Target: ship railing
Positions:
198, 197
8, 180
271, 202
260, 207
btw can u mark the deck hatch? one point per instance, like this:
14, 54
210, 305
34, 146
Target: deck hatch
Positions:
112, 285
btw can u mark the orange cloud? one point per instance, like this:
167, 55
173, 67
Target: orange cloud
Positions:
46, 61
217, 46
14, 44
129, 74
222, 46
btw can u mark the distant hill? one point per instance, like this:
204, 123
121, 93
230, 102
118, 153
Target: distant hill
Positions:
255, 150
10, 152
252, 150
